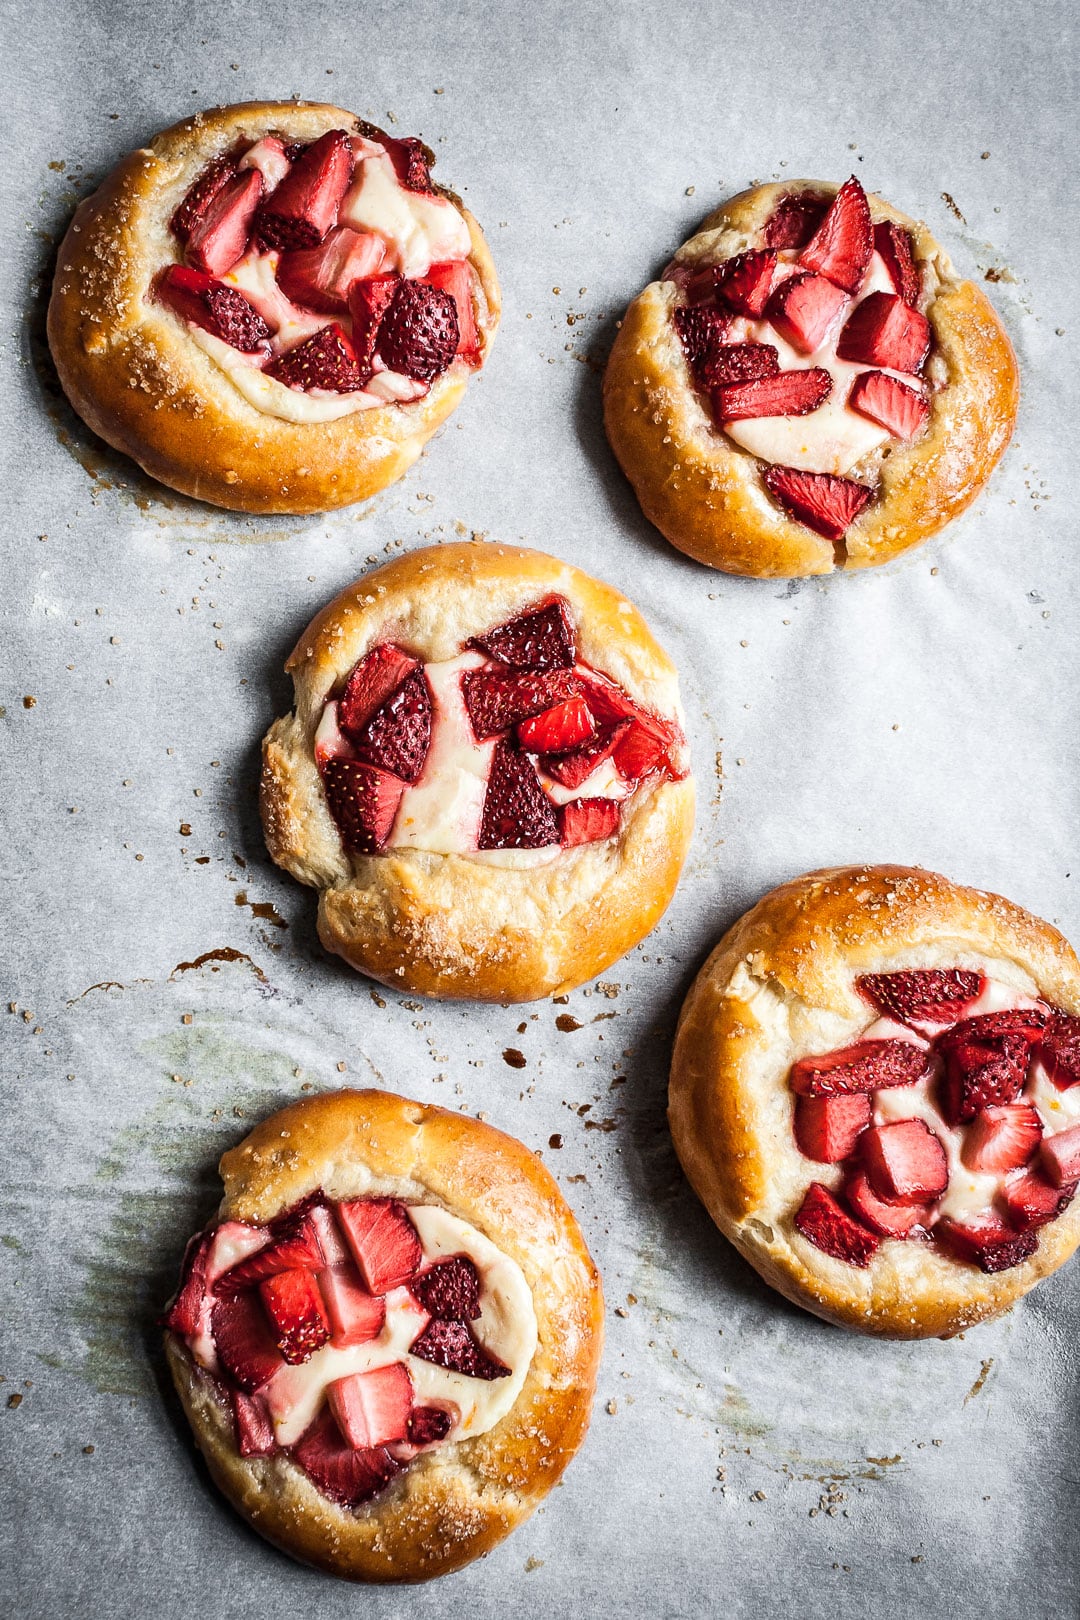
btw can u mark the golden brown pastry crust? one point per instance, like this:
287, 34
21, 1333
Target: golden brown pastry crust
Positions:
455, 1503
445, 925
778, 982
138, 380
705, 494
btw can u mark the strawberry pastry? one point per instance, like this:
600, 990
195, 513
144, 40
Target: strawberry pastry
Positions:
386, 1342
876, 1093
272, 307
810, 386
485, 774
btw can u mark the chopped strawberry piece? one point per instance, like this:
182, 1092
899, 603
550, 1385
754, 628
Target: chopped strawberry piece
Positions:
1002, 1137
498, 701
542, 638
363, 802
517, 812
744, 282
1031, 1201
826, 504
905, 1161
369, 301
254, 1430
1060, 1156
608, 702
298, 1247
827, 1128
183, 1314
456, 278
572, 769
558, 730
331, 1241
398, 734
795, 219
347, 1476
883, 331
326, 360
865, 1066
453, 1345
1059, 1051
210, 182
893, 243
841, 246
294, 1304
411, 160
830, 1228
355, 1316
244, 1341
986, 1060
428, 1424
375, 678
643, 748
321, 277
220, 235
881, 1216
419, 332
219, 309
373, 1407
792, 393
1028, 1022
742, 362
588, 821
922, 995
304, 207
890, 403
383, 1240
702, 331
449, 1289
988, 1243
805, 309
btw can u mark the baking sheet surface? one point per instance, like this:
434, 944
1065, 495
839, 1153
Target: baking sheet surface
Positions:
165, 982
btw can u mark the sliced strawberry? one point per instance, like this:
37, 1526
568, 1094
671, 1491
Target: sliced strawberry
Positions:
296, 1247
827, 1128
987, 1243
1031, 1201
608, 702
412, 163
419, 332
321, 277
355, 1316
369, 301
254, 1430
326, 360
643, 748
742, 362
373, 1407
220, 235
517, 812
905, 1161
841, 246
294, 1304
702, 330
805, 309
398, 734
829, 1227
210, 182
347, 1476
329, 1233
903, 411
449, 1289
456, 278
558, 730
588, 821
428, 1424
497, 701
452, 1345
792, 393
363, 802
222, 310
1002, 1137
986, 1060
865, 1066
1059, 1156
542, 638
881, 1216
883, 331
826, 504
893, 243
572, 769
383, 1240
184, 1312
375, 678
744, 282
245, 1341
922, 995
795, 219
1027, 1022
304, 207
1059, 1051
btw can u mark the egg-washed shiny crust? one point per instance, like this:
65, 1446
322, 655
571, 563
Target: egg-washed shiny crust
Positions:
445, 925
706, 495
781, 983
455, 1503
141, 384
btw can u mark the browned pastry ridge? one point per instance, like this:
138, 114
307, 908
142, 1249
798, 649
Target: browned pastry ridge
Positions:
781, 984
704, 493
137, 379
457, 1502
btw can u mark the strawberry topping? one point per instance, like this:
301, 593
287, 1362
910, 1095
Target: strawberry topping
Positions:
922, 995
369, 301
841, 246
1002, 1137
829, 1227
322, 277
1059, 1157
987, 1243
702, 331
1059, 1052
883, 331
398, 734
805, 308
454, 1346
794, 220
374, 679
558, 730
298, 1247
542, 638
456, 278
372, 1408
412, 163
827, 1128
355, 1316
517, 812
254, 1430
826, 504
744, 282
572, 769
383, 1240
419, 332
183, 1315
742, 362
496, 701
428, 1424
245, 1341
1031, 1201
347, 1476
294, 1304
326, 360
302, 209
585, 821
449, 1289
221, 310
220, 234
363, 802
905, 1161
792, 393
986, 1061
866, 1066
213, 178
886, 1219
893, 243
